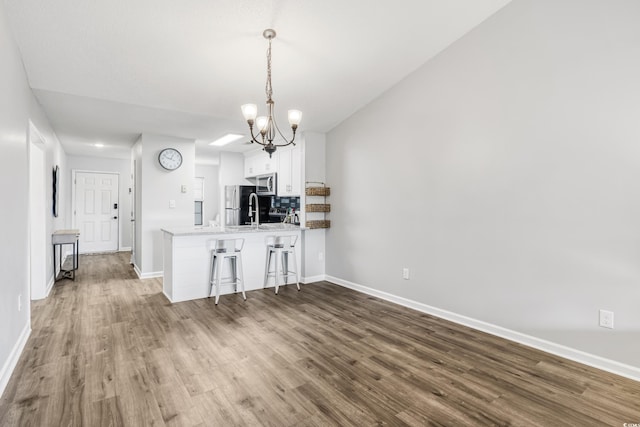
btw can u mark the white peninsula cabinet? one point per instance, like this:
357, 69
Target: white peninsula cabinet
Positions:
187, 258
289, 172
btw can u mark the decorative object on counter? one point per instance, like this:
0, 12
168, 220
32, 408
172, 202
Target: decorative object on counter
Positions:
221, 250
317, 189
66, 237
56, 188
278, 249
170, 159
267, 125
291, 217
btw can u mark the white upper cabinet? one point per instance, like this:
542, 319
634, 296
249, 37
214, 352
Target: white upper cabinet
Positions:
290, 171
259, 164
287, 162
248, 166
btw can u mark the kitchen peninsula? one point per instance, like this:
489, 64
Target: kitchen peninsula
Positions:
186, 258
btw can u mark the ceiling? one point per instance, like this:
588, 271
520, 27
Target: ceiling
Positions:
108, 70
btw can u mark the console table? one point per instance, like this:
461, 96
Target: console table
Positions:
61, 238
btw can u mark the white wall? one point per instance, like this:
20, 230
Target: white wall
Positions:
100, 164
14, 257
504, 173
38, 214
17, 107
211, 201
313, 241
54, 156
155, 188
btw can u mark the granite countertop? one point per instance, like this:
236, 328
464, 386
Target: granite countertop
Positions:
200, 230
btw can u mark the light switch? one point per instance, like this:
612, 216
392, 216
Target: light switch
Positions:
184, 188
172, 204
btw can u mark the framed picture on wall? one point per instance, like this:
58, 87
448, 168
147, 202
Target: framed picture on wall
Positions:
56, 187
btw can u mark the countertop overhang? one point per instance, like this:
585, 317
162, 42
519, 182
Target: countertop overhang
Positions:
237, 229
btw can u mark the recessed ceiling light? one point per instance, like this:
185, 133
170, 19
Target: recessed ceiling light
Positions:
99, 144
227, 139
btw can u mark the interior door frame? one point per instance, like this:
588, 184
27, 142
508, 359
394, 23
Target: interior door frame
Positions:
74, 172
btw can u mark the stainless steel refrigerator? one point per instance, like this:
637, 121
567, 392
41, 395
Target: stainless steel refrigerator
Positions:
236, 205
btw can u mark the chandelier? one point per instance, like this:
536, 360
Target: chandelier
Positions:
266, 125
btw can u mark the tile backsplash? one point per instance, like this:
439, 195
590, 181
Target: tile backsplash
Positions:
286, 202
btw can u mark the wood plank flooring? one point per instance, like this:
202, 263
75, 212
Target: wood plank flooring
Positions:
110, 350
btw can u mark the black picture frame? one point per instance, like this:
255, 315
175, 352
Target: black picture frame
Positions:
56, 188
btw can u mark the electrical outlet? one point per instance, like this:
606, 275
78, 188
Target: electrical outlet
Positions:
606, 319
320, 256
405, 273
172, 204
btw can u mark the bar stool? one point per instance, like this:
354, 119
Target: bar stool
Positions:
221, 250
281, 247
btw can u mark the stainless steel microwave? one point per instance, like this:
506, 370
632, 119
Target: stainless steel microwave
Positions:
266, 185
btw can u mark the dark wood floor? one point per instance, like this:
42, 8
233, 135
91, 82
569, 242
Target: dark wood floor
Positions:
109, 349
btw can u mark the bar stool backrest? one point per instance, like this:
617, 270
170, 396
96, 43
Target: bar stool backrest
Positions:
282, 241
225, 245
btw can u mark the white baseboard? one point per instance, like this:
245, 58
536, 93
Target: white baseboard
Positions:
167, 296
151, 275
12, 361
608, 365
137, 270
50, 286
312, 279
125, 249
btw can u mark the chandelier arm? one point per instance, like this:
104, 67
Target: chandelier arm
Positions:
253, 137
290, 142
282, 136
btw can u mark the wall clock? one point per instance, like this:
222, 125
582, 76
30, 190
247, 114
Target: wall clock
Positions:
170, 159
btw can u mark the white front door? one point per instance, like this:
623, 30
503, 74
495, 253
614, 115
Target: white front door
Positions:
96, 211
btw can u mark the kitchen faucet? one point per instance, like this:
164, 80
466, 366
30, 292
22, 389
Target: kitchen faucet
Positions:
255, 211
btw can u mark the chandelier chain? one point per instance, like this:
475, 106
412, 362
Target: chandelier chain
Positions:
268, 88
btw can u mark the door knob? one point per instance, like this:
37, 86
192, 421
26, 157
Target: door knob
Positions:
115, 217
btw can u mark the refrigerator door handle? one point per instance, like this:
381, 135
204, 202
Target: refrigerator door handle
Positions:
235, 197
